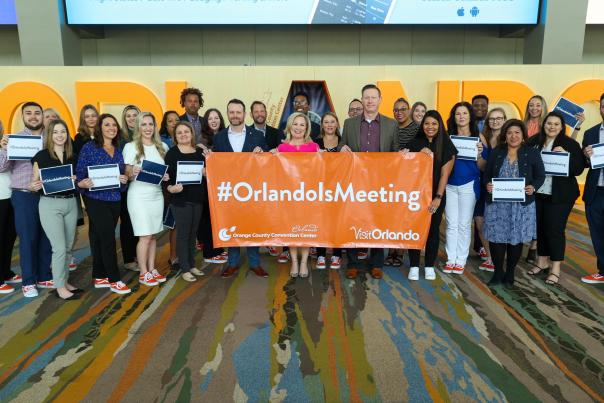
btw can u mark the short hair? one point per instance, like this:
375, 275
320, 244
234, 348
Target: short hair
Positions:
49, 144
191, 129
359, 101
480, 96
371, 87
301, 94
236, 102
501, 140
31, 103
257, 103
189, 91
290, 123
98, 131
403, 100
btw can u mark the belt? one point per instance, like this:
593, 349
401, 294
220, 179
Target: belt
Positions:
22, 190
71, 196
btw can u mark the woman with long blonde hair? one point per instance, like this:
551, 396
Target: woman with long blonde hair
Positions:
145, 200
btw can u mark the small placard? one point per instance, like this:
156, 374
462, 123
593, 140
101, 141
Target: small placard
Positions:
104, 177
466, 147
568, 109
169, 221
23, 146
597, 158
509, 190
556, 164
151, 172
57, 179
189, 172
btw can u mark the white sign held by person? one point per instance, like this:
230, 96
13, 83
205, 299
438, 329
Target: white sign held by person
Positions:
556, 164
104, 177
467, 147
509, 190
189, 172
597, 158
23, 147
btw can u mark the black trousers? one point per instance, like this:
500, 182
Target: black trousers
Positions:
204, 232
8, 235
127, 238
103, 217
432, 242
498, 255
323, 252
551, 227
187, 218
595, 220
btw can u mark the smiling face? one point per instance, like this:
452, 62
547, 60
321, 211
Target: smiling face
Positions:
301, 104
401, 111
49, 116
298, 129
130, 116
90, 118
535, 108
236, 114
553, 126
355, 109
513, 137
109, 128
183, 135
32, 117
147, 128
329, 124
462, 116
371, 100
431, 127
496, 120
481, 107
59, 134
171, 120
192, 104
259, 114
418, 113
214, 121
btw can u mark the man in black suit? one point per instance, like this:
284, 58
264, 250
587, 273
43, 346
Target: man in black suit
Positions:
192, 100
369, 132
301, 103
593, 196
240, 138
272, 135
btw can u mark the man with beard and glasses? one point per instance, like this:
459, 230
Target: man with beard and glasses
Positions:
34, 247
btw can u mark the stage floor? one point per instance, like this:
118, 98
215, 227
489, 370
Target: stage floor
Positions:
324, 338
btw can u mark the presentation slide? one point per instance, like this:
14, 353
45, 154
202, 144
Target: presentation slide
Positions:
260, 12
595, 12
8, 15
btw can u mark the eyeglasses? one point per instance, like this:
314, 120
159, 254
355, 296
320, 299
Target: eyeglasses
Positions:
497, 119
355, 110
399, 110
300, 103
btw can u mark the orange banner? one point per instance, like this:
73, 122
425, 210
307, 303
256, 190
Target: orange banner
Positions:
320, 199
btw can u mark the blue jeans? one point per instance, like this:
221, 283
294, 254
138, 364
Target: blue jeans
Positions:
34, 248
253, 256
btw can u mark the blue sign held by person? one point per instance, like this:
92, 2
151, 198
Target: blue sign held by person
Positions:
57, 179
151, 172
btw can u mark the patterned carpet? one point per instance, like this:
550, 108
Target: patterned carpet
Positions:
311, 340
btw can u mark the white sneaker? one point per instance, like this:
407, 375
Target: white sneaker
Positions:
187, 276
430, 273
336, 262
29, 291
321, 262
197, 272
413, 273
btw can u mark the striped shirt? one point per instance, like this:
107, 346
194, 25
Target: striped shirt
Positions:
406, 134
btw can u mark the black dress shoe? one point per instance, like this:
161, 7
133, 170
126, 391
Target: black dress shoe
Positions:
76, 291
494, 282
73, 297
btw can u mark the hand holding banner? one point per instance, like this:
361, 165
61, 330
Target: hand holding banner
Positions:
151, 172
365, 200
57, 179
23, 146
104, 177
509, 190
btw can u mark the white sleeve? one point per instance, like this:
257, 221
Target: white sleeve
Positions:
129, 154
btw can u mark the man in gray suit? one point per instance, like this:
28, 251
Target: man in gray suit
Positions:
369, 132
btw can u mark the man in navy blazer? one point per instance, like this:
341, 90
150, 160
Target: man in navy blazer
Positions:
240, 138
593, 196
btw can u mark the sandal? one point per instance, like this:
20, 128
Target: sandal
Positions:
552, 282
396, 261
389, 261
538, 270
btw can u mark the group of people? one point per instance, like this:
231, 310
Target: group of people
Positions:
461, 189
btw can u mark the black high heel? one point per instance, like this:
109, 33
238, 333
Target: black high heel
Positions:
72, 298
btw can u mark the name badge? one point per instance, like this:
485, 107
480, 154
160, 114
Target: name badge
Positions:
189, 172
508, 190
104, 177
556, 164
57, 179
23, 147
151, 172
466, 147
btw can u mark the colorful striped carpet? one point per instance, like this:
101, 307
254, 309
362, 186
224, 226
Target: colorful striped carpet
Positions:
322, 339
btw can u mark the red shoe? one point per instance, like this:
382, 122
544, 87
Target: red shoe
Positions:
336, 262
352, 273
6, 289
283, 257
225, 254
458, 269
362, 255
157, 276
119, 288
72, 264
483, 254
487, 266
147, 279
272, 251
218, 259
46, 284
449, 267
376, 273
14, 279
198, 246
101, 283
230, 271
259, 271
596, 278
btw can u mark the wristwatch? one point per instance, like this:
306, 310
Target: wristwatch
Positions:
438, 196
